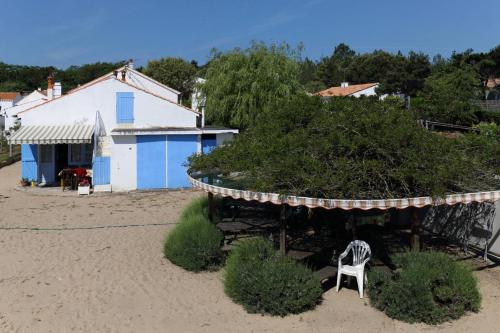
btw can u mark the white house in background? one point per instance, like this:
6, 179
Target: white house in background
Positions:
7, 100
354, 90
33, 99
128, 128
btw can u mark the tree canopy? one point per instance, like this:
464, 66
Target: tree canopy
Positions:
242, 83
448, 95
173, 72
349, 148
28, 78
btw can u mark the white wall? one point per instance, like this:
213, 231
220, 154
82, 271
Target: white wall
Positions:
33, 99
81, 106
366, 92
148, 84
224, 137
124, 163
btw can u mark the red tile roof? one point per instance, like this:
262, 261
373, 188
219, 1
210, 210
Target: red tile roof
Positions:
492, 83
8, 96
345, 91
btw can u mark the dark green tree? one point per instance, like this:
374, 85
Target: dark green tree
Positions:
173, 72
448, 95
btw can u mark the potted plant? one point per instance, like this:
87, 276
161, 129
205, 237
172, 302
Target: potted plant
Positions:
84, 187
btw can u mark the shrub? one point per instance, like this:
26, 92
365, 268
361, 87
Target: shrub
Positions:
194, 243
427, 287
262, 280
198, 206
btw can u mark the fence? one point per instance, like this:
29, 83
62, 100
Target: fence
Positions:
489, 105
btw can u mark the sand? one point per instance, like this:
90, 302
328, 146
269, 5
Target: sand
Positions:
95, 264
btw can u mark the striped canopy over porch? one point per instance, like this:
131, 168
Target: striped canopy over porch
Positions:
53, 134
346, 204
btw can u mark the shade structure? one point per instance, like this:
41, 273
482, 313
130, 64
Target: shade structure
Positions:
53, 134
346, 204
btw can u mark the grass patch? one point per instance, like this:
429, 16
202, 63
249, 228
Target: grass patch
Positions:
427, 287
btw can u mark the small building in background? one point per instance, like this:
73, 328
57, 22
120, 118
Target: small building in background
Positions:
354, 90
7, 100
34, 98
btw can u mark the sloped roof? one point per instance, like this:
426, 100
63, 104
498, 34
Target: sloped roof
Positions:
8, 96
492, 83
345, 91
104, 78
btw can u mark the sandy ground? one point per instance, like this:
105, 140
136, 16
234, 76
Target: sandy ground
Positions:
95, 264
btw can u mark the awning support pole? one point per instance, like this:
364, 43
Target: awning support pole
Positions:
283, 229
415, 230
210, 206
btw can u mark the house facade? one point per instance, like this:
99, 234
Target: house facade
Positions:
354, 90
127, 128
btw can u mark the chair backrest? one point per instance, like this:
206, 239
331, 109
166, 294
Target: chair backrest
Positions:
360, 250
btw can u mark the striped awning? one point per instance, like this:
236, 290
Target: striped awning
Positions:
49, 134
346, 204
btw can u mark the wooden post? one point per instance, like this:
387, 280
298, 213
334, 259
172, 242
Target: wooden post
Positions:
283, 229
354, 225
415, 230
210, 206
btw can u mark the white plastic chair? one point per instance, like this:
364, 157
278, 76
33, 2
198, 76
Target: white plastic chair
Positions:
361, 254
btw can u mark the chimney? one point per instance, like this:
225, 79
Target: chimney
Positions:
50, 87
344, 84
123, 75
130, 64
57, 90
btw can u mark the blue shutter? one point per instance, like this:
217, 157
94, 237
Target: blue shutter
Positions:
29, 158
124, 107
101, 170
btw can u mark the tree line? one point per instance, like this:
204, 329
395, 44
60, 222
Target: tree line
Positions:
243, 82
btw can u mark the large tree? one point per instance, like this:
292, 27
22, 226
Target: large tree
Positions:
448, 95
173, 72
334, 69
348, 148
243, 83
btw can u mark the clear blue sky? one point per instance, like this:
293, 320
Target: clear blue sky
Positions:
65, 32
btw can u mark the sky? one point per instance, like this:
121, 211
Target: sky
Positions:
74, 32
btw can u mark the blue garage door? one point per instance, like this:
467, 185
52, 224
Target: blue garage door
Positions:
151, 162
179, 148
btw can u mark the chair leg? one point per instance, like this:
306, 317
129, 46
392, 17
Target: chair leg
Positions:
339, 275
360, 278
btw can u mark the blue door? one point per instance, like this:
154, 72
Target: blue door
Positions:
151, 162
179, 148
29, 158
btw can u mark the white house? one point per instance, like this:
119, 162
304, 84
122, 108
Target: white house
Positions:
7, 100
354, 90
33, 99
128, 128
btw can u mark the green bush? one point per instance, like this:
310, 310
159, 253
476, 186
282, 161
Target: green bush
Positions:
263, 281
427, 287
198, 206
194, 243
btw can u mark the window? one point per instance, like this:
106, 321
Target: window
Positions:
46, 153
124, 107
80, 154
